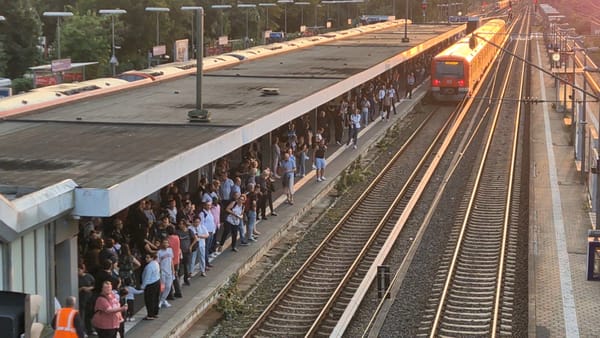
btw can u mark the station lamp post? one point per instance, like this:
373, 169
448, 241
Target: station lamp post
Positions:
266, 5
302, 4
221, 7
247, 7
58, 15
157, 10
113, 13
564, 51
405, 38
285, 2
199, 114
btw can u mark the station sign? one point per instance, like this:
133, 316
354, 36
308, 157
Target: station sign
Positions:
159, 50
60, 65
458, 19
181, 50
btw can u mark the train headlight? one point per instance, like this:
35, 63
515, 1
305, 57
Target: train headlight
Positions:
436, 82
461, 82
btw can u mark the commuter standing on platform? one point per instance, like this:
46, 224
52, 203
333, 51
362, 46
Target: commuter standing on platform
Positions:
233, 220
225, 191
86, 288
365, 106
381, 94
151, 286
167, 271
355, 121
320, 160
266, 188
67, 322
288, 168
391, 93
410, 83
275, 155
186, 240
107, 313
175, 245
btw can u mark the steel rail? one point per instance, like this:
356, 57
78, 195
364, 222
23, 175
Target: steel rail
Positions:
509, 197
374, 184
452, 270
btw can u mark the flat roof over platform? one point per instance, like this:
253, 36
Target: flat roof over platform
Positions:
121, 147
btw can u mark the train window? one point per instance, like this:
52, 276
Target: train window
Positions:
449, 69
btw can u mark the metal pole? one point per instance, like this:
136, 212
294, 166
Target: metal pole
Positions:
583, 116
598, 173
285, 20
198, 114
405, 38
200, 56
114, 65
246, 40
267, 27
157, 30
58, 33
563, 50
193, 38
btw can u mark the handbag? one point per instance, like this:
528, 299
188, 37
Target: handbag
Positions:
233, 220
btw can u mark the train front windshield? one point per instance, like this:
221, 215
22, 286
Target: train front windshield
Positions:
449, 69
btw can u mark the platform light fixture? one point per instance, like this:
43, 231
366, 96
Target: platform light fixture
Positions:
266, 5
302, 4
193, 8
56, 15
157, 10
199, 114
247, 7
285, 3
221, 7
113, 12
405, 38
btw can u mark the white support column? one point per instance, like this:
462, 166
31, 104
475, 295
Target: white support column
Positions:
66, 261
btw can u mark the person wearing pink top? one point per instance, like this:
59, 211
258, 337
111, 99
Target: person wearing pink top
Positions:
107, 312
175, 245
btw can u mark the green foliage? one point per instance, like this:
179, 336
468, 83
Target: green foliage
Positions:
22, 85
84, 38
230, 302
352, 176
21, 31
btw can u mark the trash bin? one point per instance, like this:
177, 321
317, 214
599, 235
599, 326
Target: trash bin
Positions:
593, 255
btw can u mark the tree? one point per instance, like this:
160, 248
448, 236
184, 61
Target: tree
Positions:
21, 31
86, 38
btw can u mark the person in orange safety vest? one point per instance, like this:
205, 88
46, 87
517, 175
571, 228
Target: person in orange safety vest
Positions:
67, 322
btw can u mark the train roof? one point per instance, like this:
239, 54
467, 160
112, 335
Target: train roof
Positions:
461, 50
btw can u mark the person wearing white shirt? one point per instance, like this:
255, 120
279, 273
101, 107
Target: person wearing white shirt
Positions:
355, 120
167, 271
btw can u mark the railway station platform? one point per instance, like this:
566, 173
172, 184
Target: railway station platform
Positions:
562, 302
204, 291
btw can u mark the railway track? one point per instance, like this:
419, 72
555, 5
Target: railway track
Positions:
473, 294
311, 303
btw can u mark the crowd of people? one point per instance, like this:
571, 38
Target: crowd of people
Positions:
156, 246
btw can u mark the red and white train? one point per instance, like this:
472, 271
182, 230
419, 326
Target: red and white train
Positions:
456, 71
